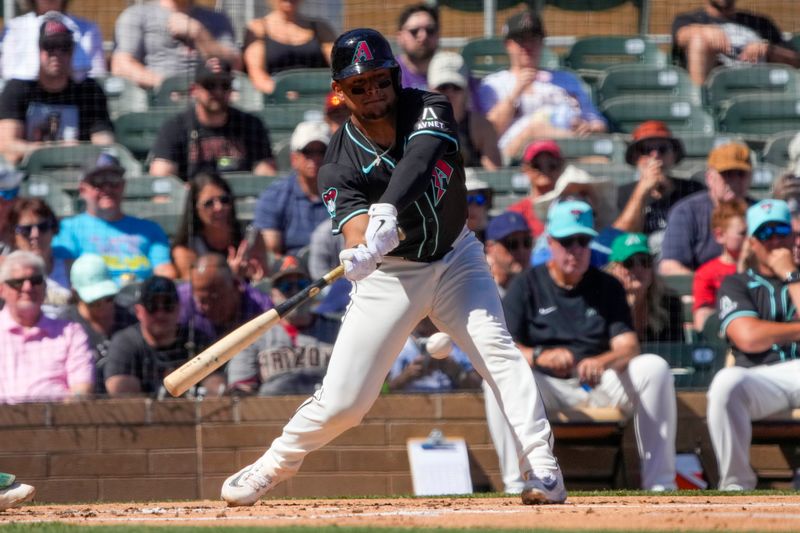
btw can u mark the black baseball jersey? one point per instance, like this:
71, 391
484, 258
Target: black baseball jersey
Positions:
583, 319
431, 203
750, 294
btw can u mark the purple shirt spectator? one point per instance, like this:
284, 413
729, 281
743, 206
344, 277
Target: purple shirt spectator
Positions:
43, 362
254, 302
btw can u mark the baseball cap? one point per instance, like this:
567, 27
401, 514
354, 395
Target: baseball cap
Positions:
505, 224
628, 244
107, 163
156, 286
91, 279
767, 211
213, 68
652, 129
307, 132
572, 217
54, 31
537, 147
730, 156
447, 67
524, 24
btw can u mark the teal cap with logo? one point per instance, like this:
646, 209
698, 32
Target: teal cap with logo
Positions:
569, 218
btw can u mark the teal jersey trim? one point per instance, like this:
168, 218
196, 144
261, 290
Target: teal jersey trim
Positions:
338, 229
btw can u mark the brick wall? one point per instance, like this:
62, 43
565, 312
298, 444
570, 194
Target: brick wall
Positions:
118, 450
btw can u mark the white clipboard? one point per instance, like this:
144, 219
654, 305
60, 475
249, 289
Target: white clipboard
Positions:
439, 466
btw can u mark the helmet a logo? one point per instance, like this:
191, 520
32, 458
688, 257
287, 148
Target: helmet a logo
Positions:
363, 53
440, 178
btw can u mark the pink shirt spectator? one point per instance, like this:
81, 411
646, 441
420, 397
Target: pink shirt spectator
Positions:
44, 362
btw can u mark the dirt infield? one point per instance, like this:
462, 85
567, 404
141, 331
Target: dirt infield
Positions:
681, 513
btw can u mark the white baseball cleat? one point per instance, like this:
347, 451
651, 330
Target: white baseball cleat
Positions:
15, 494
247, 486
544, 487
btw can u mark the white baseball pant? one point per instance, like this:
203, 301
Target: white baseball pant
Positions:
736, 397
460, 296
645, 389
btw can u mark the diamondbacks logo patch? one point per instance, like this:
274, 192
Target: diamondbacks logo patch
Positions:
329, 198
363, 53
440, 178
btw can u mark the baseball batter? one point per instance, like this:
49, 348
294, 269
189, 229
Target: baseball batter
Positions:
396, 164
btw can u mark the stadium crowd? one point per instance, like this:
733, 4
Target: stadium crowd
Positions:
107, 302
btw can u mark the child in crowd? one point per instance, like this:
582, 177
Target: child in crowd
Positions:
730, 230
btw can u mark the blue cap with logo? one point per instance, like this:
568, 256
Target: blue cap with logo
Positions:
766, 211
504, 225
569, 218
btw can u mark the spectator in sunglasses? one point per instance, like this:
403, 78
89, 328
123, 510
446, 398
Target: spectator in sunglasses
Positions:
211, 134
133, 248
757, 311
292, 358
96, 309
285, 39
43, 359
543, 164
141, 355
448, 74
644, 204
27, 107
526, 102
290, 209
730, 231
573, 324
688, 239
35, 225
657, 316
10, 180
508, 247
418, 39
210, 224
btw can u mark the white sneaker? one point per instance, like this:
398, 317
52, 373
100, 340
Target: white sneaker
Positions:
247, 486
544, 486
15, 494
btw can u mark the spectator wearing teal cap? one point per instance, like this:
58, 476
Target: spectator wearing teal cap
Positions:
573, 324
758, 314
657, 316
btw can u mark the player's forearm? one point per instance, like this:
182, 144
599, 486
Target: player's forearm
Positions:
412, 176
754, 335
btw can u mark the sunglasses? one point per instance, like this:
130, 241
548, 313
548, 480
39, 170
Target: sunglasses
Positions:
765, 233
311, 152
477, 199
659, 148
17, 284
212, 86
106, 181
292, 287
26, 229
222, 200
382, 84
430, 30
9, 194
155, 305
512, 245
640, 260
581, 240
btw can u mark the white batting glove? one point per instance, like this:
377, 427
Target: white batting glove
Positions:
382, 236
359, 262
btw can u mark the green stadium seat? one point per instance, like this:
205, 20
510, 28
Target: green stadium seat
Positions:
760, 114
282, 119
508, 181
68, 162
246, 185
138, 131
51, 191
619, 173
611, 147
601, 52
476, 6
486, 55
764, 175
123, 96
776, 149
588, 5
678, 285
245, 96
156, 188
645, 81
693, 365
173, 91
307, 85
680, 114
724, 83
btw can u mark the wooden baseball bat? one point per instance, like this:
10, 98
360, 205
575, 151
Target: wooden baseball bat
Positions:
222, 351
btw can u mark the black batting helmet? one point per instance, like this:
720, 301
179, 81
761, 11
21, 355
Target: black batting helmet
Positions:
361, 50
